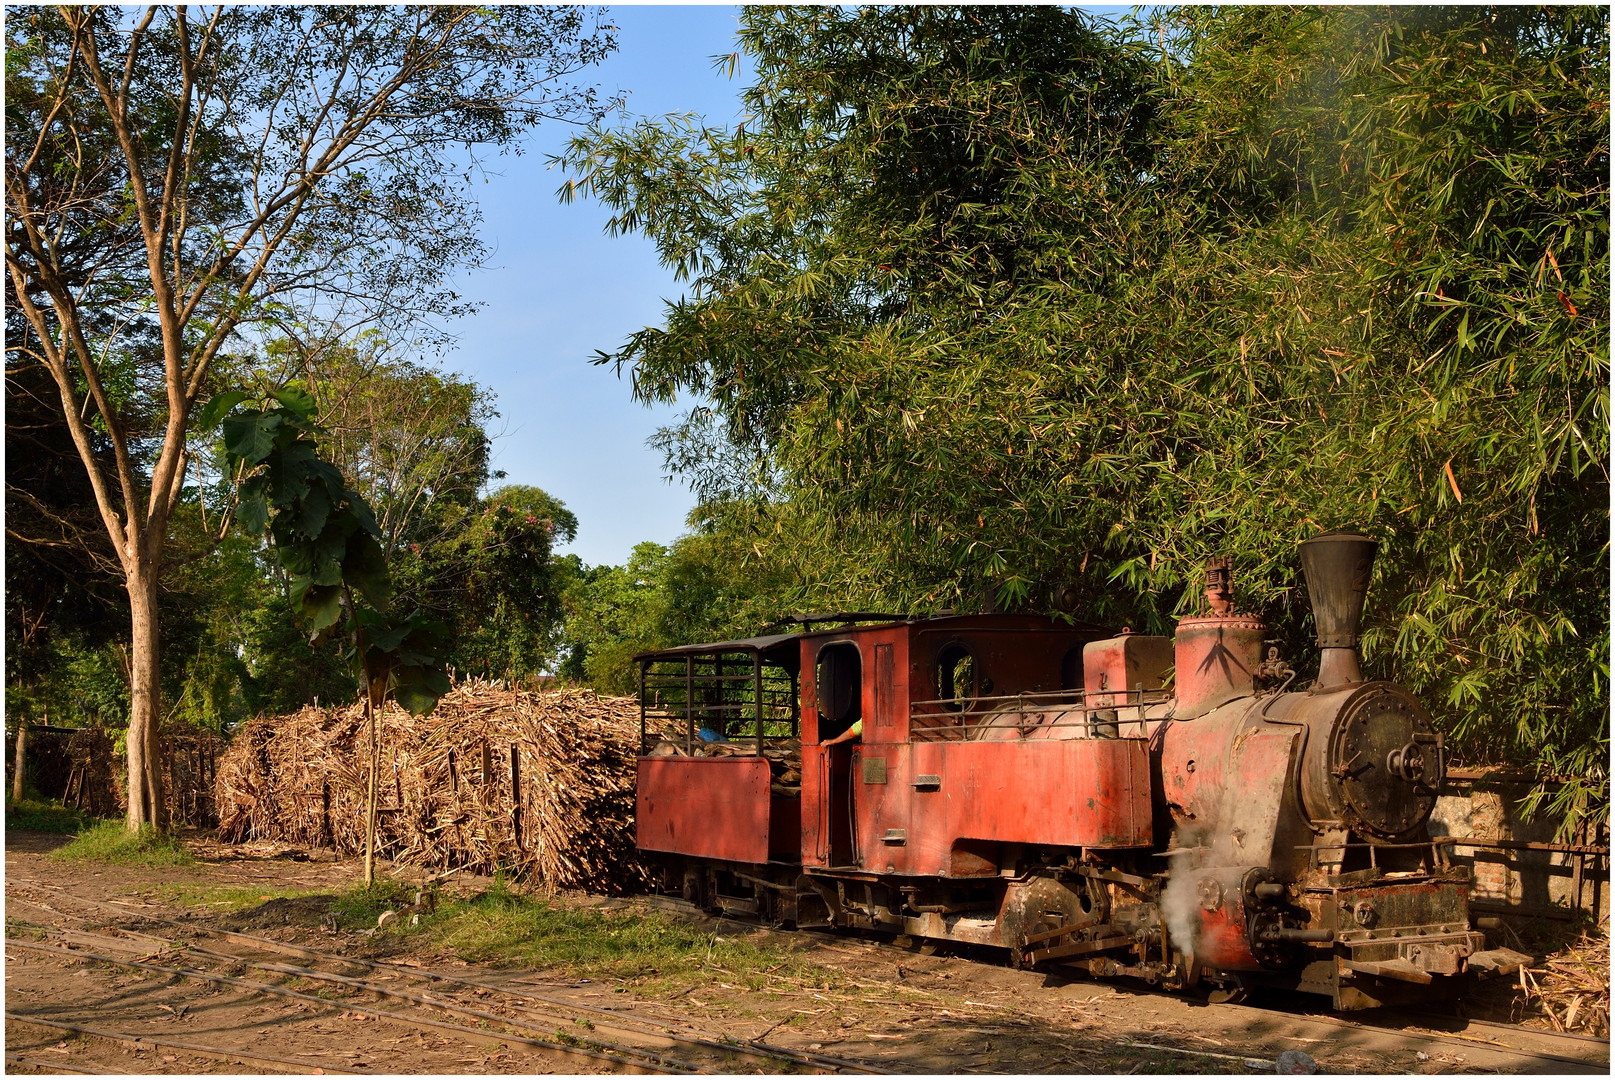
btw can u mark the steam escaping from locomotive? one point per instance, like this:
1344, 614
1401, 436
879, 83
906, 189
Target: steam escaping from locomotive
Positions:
1179, 909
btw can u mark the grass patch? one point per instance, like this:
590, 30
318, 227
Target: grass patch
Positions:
46, 816
652, 949
355, 908
111, 842
227, 899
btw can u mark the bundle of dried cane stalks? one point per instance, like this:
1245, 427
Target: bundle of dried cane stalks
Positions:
446, 784
1572, 987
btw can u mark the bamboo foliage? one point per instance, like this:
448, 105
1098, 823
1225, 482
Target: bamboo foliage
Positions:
1016, 304
445, 784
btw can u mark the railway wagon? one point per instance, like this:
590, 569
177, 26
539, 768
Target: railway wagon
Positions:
1167, 809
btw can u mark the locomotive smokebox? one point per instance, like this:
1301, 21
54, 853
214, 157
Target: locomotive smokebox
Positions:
1337, 568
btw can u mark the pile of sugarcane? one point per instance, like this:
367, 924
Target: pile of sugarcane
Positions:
539, 784
189, 760
784, 757
1572, 986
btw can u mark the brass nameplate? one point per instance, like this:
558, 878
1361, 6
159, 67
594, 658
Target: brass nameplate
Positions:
874, 770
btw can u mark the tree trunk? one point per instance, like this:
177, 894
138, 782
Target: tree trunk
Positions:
18, 779
146, 803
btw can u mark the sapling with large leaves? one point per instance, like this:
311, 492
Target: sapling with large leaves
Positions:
326, 539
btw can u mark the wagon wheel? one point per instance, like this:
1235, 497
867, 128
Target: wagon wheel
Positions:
1046, 904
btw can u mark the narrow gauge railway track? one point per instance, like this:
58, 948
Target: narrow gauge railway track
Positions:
1498, 1047
1551, 1051
619, 1057
52, 1066
640, 1045
1436, 1018
55, 1066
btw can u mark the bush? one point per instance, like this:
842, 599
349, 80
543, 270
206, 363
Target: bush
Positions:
360, 907
44, 815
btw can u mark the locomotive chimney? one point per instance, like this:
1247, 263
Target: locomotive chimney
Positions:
1337, 567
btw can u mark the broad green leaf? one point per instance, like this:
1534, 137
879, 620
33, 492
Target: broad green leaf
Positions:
250, 436
321, 606
415, 697
363, 516
313, 511
329, 476
253, 511
386, 638
364, 568
418, 689
208, 417
297, 557
296, 398
327, 570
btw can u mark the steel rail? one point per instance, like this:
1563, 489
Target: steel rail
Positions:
153, 938
1601, 1041
753, 1048
383, 1014
1493, 1046
1447, 1037
620, 1020
57, 1067
615, 1019
126, 1038
648, 1057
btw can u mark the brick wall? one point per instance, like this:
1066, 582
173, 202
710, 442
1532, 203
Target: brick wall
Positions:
1486, 807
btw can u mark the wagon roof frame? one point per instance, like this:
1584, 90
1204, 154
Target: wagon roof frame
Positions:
758, 646
770, 646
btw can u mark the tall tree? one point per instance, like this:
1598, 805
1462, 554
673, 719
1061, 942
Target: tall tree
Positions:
1008, 302
416, 443
502, 603
178, 177
414, 439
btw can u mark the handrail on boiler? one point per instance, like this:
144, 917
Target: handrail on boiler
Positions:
944, 719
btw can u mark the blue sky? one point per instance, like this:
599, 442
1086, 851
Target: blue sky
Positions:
557, 289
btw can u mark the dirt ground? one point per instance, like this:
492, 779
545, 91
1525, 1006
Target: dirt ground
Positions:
902, 1009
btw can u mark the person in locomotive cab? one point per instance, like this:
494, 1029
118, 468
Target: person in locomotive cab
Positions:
853, 732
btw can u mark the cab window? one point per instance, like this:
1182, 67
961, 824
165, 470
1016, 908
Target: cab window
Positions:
839, 683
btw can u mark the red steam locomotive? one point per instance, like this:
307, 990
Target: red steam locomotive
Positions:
1030, 784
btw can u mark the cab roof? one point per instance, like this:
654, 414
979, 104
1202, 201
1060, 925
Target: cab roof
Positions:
783, 648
